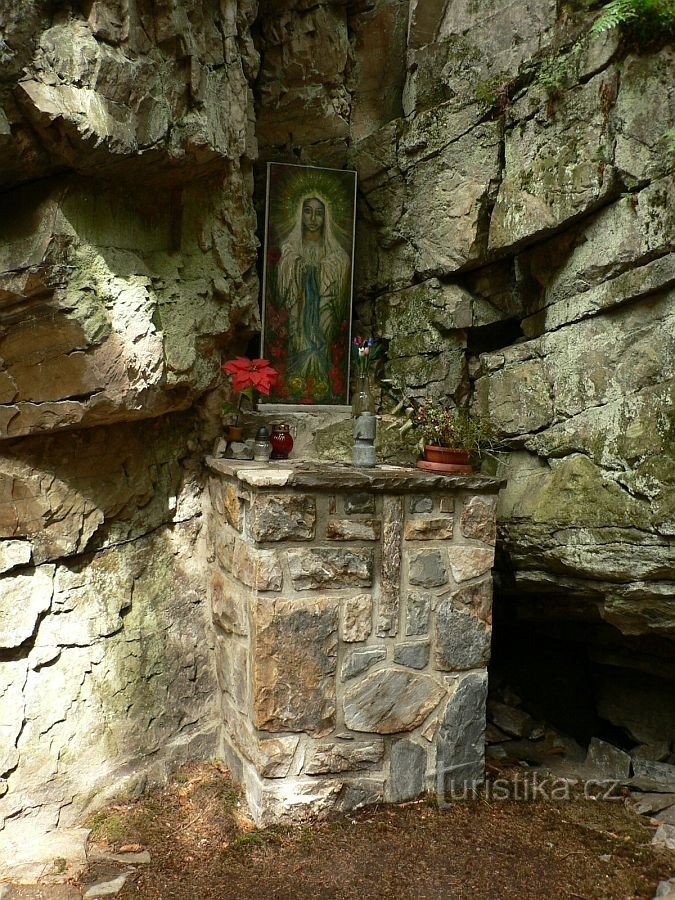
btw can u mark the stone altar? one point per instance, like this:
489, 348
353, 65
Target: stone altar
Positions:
352, 611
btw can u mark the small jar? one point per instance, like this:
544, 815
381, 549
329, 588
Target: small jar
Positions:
262, 446
281, 440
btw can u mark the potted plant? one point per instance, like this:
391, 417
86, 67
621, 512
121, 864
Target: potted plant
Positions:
248, 378
449, 439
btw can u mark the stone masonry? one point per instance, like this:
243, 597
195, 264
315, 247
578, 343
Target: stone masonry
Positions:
352, 614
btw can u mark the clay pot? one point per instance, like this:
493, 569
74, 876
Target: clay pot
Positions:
449, 456
234, 432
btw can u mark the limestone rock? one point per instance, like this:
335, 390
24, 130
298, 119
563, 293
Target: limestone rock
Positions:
351, 530
342, 756
390, 700
285, 517
318, 568
294, 665
24, 598
357, 618
428, 529
413, 655
259, 569
469, 562
477, 519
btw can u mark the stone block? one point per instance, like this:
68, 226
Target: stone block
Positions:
427, 568
224, 543
421, 504
259, 569
478, 518
317, 568
352, 530
460, 740
273, 757
414, 655
390, 579
417, 612
329, 757
359, 661
469, 562
229, 604
233, 508
391, 700
447, 504
477, 599
295, 653
359, 504
607, 759
462, 640
407, 773
438, 528
284, 517
232, 670
357, 618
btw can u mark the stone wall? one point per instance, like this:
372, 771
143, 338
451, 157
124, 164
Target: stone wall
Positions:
352, 611
127, 262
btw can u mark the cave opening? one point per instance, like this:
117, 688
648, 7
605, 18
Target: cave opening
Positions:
556, 660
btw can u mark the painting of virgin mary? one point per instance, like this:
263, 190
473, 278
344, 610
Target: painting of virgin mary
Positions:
307, 282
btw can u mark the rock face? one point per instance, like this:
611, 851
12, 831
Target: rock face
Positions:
127, 260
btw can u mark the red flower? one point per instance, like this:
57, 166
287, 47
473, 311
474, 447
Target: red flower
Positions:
246, 373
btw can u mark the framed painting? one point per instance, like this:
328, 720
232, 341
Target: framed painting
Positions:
307, 282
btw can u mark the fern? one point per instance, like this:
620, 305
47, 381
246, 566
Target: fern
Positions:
647, 18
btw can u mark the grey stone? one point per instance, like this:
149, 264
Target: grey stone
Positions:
359, 661
359, 504
284, 517
357, 618
665, 890
329, 757
294, 665
390, 700
414, 655
461, 737
664, 837
421, 504
654, 752
609, 760
417, 612
428, 568
352, 530
662, 774
407, 774
644, 803
515, 722
390, 579
107, 888
666, 816
318, 568
462, 640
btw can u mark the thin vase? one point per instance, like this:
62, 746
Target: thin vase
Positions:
363, 399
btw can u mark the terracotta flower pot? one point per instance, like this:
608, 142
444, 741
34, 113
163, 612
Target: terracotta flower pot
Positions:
445, 460
234, 432
449, 456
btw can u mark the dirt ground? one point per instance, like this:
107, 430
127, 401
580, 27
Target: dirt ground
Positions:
203, 847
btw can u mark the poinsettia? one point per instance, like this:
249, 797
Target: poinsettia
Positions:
249, 377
